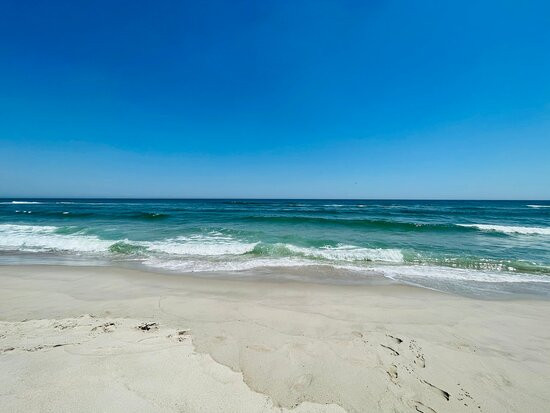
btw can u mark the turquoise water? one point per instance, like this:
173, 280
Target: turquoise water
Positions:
463, 245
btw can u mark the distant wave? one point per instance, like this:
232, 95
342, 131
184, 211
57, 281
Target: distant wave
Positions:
20, 202
509, 229
350, 222
146, 215
58, 214
102, 214
538, 206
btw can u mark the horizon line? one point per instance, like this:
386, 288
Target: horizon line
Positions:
267, 199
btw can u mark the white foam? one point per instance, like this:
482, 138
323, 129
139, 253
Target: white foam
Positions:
412, 272
350, 253
408, 273
189, 265
44, 229
538, 206
21, 202
510, 229
44, 238
209, 245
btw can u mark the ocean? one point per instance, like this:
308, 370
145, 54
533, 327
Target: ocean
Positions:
492, 248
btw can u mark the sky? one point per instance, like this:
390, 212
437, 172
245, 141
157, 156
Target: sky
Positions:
275, 99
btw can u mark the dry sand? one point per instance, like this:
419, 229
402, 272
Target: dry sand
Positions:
106, 339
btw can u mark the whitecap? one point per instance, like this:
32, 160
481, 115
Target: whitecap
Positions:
208, 245
20, 202
509, 229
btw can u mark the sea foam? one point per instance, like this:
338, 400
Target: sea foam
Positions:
413, 272
194, 265
44, 238
207, 245
509, 229
350, 253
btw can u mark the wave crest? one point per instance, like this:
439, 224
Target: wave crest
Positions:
207, 245
348, 253
45, 238
509, 229
20, 202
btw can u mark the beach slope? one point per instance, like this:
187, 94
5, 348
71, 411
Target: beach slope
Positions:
110, 339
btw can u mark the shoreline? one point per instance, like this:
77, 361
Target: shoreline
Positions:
382, 347
320, 274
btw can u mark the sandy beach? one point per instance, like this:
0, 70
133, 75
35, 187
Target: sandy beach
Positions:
287, 206
110, 339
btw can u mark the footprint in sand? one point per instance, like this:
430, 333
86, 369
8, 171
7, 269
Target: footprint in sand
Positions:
419, 359
302, 383
391, 350
357, 334
397, 340
181, 335
392, 372
148, 326
439, 391
421, 407
65, 324
108, 327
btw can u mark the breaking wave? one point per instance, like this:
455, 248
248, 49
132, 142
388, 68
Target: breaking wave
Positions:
219, 251
348, 253
46, 238
509, 229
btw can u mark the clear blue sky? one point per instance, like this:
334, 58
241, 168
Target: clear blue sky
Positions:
301, 99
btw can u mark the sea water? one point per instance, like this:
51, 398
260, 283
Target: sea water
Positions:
474, 247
